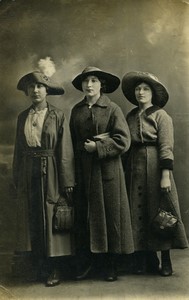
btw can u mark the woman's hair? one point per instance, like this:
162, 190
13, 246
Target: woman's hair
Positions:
103, 85
152, 89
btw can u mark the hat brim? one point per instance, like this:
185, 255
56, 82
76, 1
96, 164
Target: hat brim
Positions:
130, 80
52, 87
112, 81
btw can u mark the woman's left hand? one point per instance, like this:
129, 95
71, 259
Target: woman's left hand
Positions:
165, 182
90, 146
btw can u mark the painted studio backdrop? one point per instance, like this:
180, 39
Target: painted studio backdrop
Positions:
115, 35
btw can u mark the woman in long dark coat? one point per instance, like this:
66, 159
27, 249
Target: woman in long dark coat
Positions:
149, 169
43, 171
100, 135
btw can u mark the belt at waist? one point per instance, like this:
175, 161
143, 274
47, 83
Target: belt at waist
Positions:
39, 153
140, 144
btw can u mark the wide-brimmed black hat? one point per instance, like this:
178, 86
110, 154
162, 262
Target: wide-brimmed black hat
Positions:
131, 79
111, 81
39, 77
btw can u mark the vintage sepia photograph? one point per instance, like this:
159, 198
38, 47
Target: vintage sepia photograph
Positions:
94, 143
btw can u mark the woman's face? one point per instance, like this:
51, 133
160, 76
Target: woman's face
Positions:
37, 92
91, 86
143, 94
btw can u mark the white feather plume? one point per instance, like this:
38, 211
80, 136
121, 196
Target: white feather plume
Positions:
46, 66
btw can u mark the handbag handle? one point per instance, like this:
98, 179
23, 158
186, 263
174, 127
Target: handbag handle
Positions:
166, 196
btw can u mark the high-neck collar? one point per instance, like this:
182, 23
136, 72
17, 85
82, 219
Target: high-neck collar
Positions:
148, 110
103, 101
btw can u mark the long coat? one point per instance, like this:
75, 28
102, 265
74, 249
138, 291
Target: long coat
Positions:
151, 151
101, 197
40, 182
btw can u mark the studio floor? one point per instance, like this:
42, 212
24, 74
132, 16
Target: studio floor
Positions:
127, 286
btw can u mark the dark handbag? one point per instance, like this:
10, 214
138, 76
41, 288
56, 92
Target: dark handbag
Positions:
165, 222
63, 218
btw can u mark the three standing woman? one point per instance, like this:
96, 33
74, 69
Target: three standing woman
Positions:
100, 136
44, 166
148, 167
43, 171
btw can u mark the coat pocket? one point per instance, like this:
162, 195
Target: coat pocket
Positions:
108, 169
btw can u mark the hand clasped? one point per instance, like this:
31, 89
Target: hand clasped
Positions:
90, 146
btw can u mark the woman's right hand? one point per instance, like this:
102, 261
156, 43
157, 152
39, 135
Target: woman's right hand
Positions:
90, 146
68, 191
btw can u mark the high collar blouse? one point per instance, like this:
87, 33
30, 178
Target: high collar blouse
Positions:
33, 127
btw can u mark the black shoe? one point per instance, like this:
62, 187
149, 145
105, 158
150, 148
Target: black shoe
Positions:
84, 273
53, 279
110, 270
140, 271
166, 269
140, 263
111, 276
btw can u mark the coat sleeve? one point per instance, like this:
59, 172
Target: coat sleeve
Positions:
65, 157
16, 156
165, 140
72, 129
119, 140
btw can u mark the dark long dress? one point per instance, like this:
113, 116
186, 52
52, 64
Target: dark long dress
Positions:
102, 209
151, 151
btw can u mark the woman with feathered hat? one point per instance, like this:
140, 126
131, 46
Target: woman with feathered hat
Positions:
149, 168
43, 170
100, 135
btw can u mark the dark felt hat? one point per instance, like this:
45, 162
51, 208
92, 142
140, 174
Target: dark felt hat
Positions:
39, 77
130, 81
111, 81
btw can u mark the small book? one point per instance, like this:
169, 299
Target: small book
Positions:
101, 136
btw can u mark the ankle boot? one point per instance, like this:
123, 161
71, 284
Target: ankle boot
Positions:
166, 266
54, 272
83, 271
84, 265
53, 279
110, 268
140, 262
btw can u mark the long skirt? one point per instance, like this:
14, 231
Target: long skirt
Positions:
143, 185
35, 229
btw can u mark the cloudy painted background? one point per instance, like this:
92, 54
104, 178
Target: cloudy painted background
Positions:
115, 35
